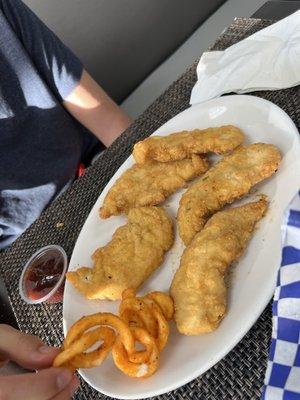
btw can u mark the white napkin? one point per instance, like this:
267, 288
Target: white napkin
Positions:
267, 60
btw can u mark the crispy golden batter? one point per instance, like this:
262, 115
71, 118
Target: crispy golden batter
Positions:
180, 145
198, 287
228, 180
135, 251
150, 184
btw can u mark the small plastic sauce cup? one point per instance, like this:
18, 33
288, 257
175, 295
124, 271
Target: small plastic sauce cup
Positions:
43, 276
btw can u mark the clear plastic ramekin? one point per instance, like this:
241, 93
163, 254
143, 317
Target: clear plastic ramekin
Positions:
56, 292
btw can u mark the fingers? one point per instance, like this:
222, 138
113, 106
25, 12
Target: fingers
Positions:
26, 350
69, 391
3, 361
44, 385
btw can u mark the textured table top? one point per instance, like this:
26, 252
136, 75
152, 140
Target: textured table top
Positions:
240, 374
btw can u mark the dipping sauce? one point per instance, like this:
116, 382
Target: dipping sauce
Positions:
43, 276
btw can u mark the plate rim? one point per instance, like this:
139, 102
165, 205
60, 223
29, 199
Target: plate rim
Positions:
251, 322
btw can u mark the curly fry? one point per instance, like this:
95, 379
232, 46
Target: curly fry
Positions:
142, 319
164, 301
107, 319
73, 356
163, 329
150, 312
134, 367
143, 312
80, 338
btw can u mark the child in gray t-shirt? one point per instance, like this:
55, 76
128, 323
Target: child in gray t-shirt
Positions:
41, 144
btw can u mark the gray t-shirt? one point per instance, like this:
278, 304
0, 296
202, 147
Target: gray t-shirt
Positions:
41, 145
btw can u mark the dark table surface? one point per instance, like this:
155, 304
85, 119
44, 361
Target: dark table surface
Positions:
270, 10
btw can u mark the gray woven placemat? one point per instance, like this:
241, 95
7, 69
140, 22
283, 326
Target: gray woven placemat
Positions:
240, 374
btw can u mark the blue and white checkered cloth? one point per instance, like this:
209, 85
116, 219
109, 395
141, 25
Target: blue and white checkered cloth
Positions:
282, 380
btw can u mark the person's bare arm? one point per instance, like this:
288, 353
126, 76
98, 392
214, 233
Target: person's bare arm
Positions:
94, 109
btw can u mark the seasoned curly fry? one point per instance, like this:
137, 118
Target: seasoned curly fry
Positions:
150, 312
106, 319
80, 338
74, 355
139, 307
162, 333
135, 368
142, 319
164, 301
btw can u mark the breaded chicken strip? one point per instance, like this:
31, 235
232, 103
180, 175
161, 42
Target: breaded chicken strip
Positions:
198, 287
180, 145
150, 184
230, 179
135, 251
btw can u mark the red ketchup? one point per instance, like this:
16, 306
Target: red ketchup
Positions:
44, 274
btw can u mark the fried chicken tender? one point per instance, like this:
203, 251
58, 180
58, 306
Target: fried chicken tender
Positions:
180, 145
198, 287
135, 251
230, 179
150, 184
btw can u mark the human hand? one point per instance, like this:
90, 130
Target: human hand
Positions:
29, 352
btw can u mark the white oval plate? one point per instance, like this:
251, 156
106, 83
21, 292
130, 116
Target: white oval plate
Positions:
251, 282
